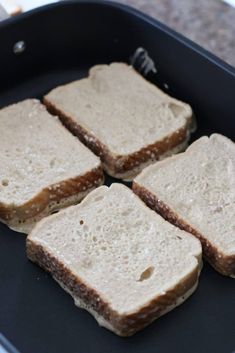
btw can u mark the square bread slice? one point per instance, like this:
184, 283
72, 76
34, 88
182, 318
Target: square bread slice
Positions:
118, 259
195, 190
121, 117
43, 166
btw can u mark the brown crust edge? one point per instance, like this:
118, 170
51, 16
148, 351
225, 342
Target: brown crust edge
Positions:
52, 194
115, 165
123, 325
221, 262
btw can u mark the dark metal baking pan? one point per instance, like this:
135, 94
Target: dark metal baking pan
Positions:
60, 43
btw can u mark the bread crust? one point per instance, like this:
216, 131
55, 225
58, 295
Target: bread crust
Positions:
123, 325
50, 197
221, 262
120, 166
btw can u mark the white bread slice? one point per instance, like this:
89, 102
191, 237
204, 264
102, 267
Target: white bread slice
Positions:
121, 117
119, 260
196, 191
43, 167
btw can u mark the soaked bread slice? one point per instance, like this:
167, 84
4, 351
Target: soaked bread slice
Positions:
196, 191
43, 167
118, 259
122, 117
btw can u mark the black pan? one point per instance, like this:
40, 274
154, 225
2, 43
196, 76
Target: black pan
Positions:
57, 44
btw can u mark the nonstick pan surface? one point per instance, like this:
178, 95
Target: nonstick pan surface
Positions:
57, 44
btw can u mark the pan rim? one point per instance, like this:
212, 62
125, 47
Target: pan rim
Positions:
196, 48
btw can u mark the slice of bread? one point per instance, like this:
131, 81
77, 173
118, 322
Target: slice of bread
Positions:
123, 118
43, 166
195, 190
118, 259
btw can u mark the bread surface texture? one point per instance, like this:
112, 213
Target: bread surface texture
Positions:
196, 191
119, 260
122, 117
43, 166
